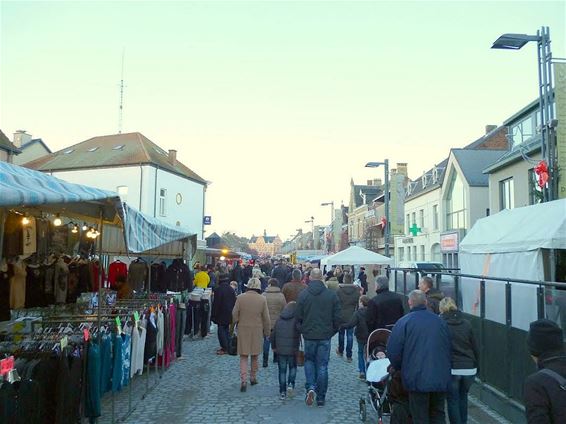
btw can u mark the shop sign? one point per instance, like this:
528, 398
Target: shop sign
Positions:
449, 242
406, 240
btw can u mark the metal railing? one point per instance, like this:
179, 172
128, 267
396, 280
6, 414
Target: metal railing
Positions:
498, 316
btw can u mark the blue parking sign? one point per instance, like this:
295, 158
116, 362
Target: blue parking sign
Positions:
207, 220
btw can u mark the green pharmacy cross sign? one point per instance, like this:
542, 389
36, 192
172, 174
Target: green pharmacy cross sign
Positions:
414, 229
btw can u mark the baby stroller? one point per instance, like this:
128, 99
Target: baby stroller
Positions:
377, 375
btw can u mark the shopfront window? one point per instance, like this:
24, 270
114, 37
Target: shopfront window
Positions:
455, 203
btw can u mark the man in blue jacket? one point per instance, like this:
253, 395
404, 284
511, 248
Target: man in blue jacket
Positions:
419, 346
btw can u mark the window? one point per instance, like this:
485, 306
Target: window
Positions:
123, 192
408, 223
455, 203
422, 252
414, 253
506, 194
535, 192
435, 217
401, 254
163, 202
421, 218
408, 253
523, 131
414, 216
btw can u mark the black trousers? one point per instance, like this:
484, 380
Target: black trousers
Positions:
427, 407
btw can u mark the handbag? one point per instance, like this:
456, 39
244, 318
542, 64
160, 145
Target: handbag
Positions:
233, 345
300, 355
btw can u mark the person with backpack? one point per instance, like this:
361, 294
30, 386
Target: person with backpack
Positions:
545, 390
285, 340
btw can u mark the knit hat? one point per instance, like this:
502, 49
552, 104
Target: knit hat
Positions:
544, 336
254, 283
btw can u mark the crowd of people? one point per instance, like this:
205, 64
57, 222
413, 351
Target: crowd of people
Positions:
434, 357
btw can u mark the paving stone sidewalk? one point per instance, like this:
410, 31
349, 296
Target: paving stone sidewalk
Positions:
204, 388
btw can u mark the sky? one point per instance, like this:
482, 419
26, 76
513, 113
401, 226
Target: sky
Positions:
279, 104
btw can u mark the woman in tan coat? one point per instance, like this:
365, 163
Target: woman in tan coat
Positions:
252, 318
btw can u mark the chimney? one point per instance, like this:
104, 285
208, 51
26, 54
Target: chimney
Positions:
369, 182
173, 157
265, 233
21, 138
402, 168
490, 128
377, 182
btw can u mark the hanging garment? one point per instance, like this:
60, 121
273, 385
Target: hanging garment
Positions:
160, 331
173, 318
18, 286
35, 280
117, 363
61, 280
158, 282
137, 275
49, 283
116, 268
92, 383
68, 390
138, 347
95, 270
105, 364
4, 293
13, 236
180, 322
150, 350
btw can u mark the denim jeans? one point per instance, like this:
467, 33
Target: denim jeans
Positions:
284, 362
361, 359
224, 337
317, 355
457, 398
349, 341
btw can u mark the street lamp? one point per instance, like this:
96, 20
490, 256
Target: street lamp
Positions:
544, 55
385, 164
311, 221
331, 204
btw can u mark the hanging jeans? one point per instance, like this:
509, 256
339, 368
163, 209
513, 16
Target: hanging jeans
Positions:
180, 323
193, 317
205, 318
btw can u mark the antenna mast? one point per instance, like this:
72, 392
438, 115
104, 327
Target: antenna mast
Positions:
121, 95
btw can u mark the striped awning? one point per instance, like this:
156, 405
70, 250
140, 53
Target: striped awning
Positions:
25, 188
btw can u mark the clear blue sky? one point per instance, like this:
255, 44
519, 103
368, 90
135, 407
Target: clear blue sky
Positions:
278, 104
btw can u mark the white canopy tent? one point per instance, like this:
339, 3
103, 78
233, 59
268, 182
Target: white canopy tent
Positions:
356, 255
511, 244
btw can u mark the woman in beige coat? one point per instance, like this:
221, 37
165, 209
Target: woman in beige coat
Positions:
252, 318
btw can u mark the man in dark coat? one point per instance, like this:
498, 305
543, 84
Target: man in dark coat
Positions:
237, 275
385, 308
420, 347
318, 313
222, 306
433, 296
362, 276
545, 390
282, 273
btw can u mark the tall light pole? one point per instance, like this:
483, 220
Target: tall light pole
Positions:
311, 221
385, 164
542, 38
331, 204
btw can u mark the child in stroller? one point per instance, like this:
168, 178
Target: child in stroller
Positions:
377, 375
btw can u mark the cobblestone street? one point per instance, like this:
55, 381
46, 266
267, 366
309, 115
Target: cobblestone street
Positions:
204, 388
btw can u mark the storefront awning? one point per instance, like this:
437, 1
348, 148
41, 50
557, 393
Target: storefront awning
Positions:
25, 188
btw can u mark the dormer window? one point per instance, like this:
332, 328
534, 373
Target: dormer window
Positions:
435, 175
409, 188
424, 180
118, 147
93, 149
68, 152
